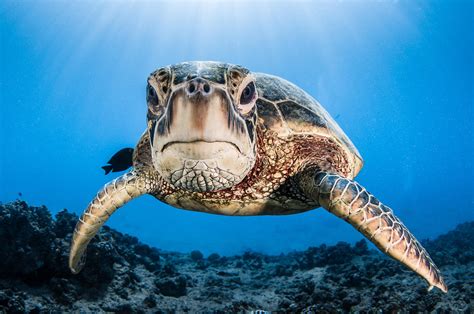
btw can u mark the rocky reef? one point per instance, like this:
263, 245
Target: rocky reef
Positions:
123, 275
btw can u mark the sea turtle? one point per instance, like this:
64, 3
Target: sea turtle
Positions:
223, 140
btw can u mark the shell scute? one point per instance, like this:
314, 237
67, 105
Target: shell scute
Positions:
299, 113
271, 116
299, 118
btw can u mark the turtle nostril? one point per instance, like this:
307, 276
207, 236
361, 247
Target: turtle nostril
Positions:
198, 86
191, 88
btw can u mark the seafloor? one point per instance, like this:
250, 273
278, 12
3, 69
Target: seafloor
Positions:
123, 275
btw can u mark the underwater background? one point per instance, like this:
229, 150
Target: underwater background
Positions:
396, 75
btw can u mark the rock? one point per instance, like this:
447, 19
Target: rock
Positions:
27, 237
214, 258
454, 247
65, 222
124, 275
172, 287
196, 256
361, 248
150, 301
99, 253
283, 270
350, 300
11, 302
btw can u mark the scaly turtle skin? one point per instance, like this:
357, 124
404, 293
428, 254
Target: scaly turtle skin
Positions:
223, 140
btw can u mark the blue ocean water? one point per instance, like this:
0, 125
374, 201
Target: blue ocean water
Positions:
396, 75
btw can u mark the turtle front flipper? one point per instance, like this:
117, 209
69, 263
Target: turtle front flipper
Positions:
349, 200
114, 194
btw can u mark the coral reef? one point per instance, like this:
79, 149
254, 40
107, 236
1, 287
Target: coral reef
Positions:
123, 275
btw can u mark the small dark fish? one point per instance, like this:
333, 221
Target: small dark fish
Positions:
20, 194
122, 160
337, 116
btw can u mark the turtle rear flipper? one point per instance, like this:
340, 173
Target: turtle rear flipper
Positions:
350, 201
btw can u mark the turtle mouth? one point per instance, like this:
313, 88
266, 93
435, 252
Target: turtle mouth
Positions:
202, 165
201, 142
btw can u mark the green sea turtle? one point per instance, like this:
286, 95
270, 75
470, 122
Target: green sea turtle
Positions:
223, 140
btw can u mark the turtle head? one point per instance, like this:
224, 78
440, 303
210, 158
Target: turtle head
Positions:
201, 123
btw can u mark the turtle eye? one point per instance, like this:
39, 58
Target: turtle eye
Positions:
248, 94
151, 96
